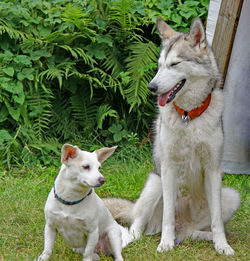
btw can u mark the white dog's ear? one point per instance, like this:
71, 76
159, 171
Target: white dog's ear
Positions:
104, 153
197, 35
69, 152
164, 29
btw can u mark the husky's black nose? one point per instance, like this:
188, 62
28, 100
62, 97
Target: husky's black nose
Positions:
152, 87
102, 180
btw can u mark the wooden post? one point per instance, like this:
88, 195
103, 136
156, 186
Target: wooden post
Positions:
225, 31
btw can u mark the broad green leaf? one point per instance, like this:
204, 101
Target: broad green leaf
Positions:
20, 76
22, 59
176, 18
96, 50
19, 98
9, 71
104, 39
28, 72
13, 87
138, 7
15, 113
3, 113
4, 136
100, 22
36, 55
115, 128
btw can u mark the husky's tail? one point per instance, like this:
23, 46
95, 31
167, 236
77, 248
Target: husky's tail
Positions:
121, 209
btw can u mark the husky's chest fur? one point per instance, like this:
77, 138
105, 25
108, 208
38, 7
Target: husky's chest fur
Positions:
189, 148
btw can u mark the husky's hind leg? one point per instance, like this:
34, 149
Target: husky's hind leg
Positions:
146, 204
230, 202
202, 235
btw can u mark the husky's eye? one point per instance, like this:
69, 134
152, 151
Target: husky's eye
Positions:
173, 64
86, 167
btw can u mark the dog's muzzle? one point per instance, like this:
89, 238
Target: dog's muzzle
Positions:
152, 87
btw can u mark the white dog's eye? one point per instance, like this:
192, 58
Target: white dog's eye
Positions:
86, 167
173, 64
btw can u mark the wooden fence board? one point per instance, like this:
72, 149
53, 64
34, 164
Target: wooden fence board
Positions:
225, 31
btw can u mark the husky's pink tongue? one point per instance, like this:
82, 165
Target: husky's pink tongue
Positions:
163, 98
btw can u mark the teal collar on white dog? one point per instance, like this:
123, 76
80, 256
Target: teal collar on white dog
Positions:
65, 202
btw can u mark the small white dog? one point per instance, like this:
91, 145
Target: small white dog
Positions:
74, 210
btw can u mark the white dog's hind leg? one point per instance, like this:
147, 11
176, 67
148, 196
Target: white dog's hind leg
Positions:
115, 240
49, 240
145, 205
213, 193
168, 178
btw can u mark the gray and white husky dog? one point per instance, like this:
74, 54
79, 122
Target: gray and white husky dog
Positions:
183, 195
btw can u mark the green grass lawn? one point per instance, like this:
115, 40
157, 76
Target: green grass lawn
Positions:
23, 194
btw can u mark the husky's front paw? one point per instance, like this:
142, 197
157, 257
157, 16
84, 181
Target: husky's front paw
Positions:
135, 232
43, 257
224, 249
165, 245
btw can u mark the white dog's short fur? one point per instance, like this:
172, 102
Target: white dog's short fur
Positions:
87, 226
183, 195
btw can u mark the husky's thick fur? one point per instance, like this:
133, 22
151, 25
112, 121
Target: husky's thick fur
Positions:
75, 211
183, 195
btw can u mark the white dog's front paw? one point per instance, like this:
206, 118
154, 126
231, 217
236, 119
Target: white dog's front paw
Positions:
165, 245
224, 248
78, 250
87, 259
95, 257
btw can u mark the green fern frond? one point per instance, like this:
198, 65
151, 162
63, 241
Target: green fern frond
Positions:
106, 80
79, 18
77, 53
103, 112
84, 109
39, 106
112, 61
140, 66
5, 27
87, 76
63, 124
51, 74
121, 13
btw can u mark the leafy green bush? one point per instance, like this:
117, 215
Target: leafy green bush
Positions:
78, 70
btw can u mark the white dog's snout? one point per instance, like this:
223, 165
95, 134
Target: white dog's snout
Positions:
101, 180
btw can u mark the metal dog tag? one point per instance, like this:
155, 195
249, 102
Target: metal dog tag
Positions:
185, 119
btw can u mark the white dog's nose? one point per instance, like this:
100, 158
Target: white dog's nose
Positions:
102, 180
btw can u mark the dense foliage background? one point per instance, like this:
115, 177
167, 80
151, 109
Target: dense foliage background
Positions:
77, 71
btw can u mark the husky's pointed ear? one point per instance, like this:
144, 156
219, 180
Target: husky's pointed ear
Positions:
164, 29
69, 152
104, 153
197, 35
